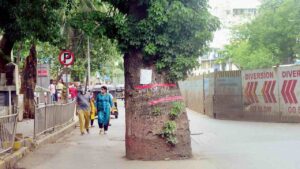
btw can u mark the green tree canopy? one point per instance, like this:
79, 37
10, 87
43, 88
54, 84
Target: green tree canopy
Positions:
45, 24
271, 38
170, 33
26, 21
40, 20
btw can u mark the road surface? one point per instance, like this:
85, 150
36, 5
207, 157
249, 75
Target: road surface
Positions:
217, 144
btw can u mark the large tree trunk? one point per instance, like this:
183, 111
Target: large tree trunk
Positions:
28, 83
6, 46
143, 127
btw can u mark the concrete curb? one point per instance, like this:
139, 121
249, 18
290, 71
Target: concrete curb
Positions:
10, 161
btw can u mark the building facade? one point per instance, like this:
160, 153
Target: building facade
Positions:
231, 13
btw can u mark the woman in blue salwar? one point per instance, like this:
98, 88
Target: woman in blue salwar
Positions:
104, 106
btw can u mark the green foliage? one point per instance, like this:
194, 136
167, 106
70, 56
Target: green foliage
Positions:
242, 54
169, 132
150, 49
170, 127
171, 33
105, 58
156, 111
103, 52
40, 20
272, 38
46, 53
176, 109
172, 140
179, 31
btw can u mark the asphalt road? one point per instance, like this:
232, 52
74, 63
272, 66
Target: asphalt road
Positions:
217, 144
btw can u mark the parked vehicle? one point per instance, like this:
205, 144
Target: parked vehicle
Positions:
120, 89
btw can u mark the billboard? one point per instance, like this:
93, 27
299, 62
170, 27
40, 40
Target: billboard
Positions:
289, 90
260, 92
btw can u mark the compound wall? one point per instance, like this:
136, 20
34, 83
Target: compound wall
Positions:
289, 93
217, 95
192, 91
259, 95
209, 92
228, 95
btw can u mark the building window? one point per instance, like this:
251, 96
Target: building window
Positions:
246, 11
228, 12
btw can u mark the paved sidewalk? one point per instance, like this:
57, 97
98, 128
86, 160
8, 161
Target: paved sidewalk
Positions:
26, 127
25, 142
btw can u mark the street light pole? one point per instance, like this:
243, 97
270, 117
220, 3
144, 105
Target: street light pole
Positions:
89, 61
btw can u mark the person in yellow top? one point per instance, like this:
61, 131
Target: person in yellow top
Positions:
60, 90
60, 85
93, 109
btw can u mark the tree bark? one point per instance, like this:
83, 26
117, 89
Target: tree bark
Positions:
142, 126
28, 83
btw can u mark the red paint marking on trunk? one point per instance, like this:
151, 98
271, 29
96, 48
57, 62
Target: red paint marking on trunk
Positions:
149, 86
166, 99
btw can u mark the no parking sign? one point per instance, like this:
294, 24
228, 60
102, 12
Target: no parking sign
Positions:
66, 57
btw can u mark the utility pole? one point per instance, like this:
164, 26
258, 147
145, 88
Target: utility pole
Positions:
89, 62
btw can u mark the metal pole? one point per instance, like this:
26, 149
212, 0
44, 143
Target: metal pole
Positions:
34, 123
14, 129
67, 84
89, 61
45, 111
9, 100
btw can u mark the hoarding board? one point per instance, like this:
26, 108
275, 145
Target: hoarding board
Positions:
289, 88
260, 92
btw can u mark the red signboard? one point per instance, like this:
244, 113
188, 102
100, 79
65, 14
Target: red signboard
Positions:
272, 93
42, 72
66, 57
289, 91
260, 91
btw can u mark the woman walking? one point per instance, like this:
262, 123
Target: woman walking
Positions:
83, 109
93, 109
103, 105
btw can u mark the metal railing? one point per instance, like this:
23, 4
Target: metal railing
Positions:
8, 125
49, 117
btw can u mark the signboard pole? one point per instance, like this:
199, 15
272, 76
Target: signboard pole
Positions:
9, 106
66, 58
67, 83
89, 62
